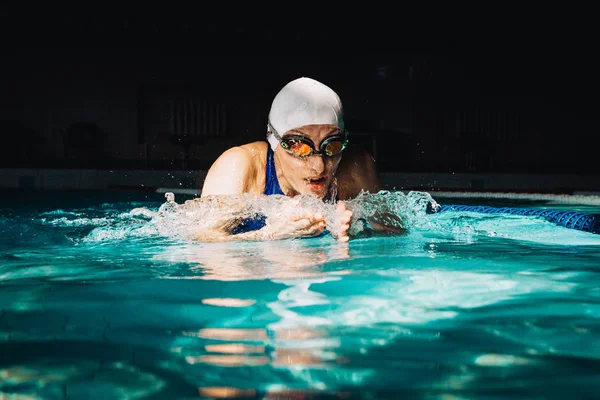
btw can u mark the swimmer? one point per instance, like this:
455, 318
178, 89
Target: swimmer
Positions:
307, 151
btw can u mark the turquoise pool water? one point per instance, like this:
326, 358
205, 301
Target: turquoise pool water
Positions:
97, 303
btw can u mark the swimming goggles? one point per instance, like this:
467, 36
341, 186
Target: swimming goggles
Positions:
301, 146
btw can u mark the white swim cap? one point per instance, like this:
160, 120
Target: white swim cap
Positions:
303, 101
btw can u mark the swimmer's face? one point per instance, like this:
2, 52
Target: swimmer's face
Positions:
313, 174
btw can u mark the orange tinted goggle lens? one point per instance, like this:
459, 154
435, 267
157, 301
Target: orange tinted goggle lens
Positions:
299, 148
302, 148
334, 147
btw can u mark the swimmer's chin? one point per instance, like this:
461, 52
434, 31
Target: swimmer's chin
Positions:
319, 194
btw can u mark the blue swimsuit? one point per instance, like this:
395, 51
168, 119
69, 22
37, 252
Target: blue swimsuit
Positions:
271, 187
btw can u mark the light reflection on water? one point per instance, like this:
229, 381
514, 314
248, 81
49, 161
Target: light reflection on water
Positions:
95, 303
270, 260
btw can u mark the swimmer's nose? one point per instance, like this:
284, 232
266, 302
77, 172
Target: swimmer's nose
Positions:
317, 164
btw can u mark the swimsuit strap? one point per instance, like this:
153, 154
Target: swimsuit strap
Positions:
272, 184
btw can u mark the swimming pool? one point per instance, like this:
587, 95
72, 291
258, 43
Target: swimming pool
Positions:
96, 302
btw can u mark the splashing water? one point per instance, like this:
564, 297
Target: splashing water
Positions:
224, 212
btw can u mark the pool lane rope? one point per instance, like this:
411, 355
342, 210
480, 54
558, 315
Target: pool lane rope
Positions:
569, 219
579, 199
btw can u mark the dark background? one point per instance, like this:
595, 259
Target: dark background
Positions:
157, 88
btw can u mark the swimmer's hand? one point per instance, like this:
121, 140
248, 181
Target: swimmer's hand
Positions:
339, 228
294, 222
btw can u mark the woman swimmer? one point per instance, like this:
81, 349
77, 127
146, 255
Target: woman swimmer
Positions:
306, 153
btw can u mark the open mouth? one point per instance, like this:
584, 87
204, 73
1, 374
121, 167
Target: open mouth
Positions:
315, 180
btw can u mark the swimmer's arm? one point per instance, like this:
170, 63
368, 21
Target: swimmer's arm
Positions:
262, 234
222, 229
289, 220
222, 235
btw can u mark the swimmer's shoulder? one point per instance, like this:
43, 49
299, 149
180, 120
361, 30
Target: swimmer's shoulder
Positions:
237, 170
256, 151
357, 171
355, 159
245, 157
